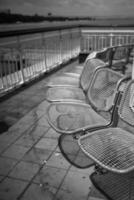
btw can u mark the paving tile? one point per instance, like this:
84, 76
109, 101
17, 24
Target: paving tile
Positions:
51, 133
6, 165
37, 131
77, 184
26, 140
3, 145
37, 97
24, 170
28, 92
32, 135
47, 143
19, 111
37, 155
43, 122
9, 136
57, 160
9, 118
32, 116
43, 106
15, 151
38, 111
69, 195
19, 97
15, 131
10, 189
35, 192
29, 103
50, 176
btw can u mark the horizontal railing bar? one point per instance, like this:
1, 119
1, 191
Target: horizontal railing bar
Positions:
35, 30
60, 27
108, 31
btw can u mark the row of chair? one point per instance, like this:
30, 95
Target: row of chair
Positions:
95, 117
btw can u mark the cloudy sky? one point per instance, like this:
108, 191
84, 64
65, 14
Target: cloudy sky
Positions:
71, 7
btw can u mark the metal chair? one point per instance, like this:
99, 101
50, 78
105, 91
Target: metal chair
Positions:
72, 119
121, 57
116, 58
75, 92
112, 149
69, 117
72, 81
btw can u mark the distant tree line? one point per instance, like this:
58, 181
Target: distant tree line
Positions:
18, 18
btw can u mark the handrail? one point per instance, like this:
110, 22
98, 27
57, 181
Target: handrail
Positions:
23, 31
35, 30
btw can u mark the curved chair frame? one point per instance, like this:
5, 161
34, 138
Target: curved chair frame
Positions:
112, 149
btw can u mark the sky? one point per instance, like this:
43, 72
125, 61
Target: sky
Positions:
110, 8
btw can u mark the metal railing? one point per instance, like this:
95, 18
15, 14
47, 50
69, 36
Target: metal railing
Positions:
26, 57
92, 40
26, 54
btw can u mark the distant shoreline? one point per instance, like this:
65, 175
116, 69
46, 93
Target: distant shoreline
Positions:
118, 23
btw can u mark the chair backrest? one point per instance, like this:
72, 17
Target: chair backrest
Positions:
88, 70
131, 54
126, 108
105, 55
122, 52
103, 87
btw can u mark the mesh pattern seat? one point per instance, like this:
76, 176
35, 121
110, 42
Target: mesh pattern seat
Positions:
113, 149
89, 68
115, 186
120, 58
69, 117
101, 92
74, 92
72, 118
76, 70
64, 80
65, 94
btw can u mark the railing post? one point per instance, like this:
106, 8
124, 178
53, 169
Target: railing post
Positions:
1, 73
79, 36
95, 45
111, 39
81, 41
44, 49
71, 44
20, 61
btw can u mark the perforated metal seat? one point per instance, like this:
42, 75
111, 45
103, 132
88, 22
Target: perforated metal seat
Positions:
76, 71
115, 186
66, 80
120, 58
73, 92
55, 94
68, 117
113, 149
72, 118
